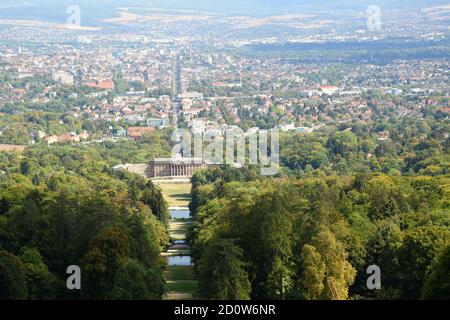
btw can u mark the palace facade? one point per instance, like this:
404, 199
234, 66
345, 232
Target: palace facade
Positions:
177, 167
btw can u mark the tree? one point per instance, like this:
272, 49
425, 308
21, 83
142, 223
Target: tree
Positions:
313, 273
339, 273
13, 282
134, 282
154, 199
267, 242
420, 248
200, 196
384, 197
108, 251
41, 283
222, 272
437, 283
144, 242
383, 250
343, 143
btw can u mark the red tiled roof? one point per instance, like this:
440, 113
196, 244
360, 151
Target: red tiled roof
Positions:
102, 84
328, 87
136, 132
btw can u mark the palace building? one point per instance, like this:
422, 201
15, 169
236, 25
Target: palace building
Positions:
176, 167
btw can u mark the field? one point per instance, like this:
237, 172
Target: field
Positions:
237, 22
176, 194
46, 25
11, 147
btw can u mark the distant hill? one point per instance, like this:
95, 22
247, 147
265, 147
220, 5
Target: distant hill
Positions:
277, 6
95, 10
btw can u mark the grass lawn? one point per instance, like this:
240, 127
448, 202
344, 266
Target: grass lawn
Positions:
179, 229
176, 194
180, 273
177, 296
180, 226
12, 147
177, 236
184, 286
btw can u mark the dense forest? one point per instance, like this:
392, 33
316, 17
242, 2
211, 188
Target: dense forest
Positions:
314, 238
379, 52
411, 147
63, 206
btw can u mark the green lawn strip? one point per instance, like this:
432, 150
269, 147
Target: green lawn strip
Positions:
176, 194
179, 252
178, 296
178, 229
184, 286
177, 236
180, 273
176, 253
188, 220
180, 225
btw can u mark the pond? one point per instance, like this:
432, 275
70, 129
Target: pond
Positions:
179, 260
179, 214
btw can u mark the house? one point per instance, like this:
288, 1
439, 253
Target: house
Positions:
286, 127
312, 92
157, 123
329, 90
304, 129
63, 78
120, 132
106, 84
445, 110
137, 132
51, 139
67, 137
84, 135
